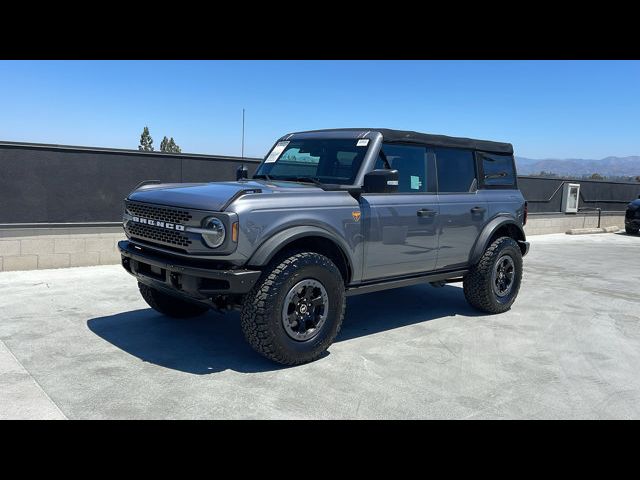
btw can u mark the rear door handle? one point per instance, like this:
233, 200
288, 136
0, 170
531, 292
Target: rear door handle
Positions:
426, 212
478, 210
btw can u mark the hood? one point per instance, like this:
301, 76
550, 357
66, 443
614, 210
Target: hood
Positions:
215, 196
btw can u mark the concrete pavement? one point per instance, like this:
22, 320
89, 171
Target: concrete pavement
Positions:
81, 343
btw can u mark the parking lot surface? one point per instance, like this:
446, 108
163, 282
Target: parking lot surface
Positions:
81, 343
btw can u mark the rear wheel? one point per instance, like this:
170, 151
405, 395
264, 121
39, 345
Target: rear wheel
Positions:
631, 230
170, 305
492, 285
295, 310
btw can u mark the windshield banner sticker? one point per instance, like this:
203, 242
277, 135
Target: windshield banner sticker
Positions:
276, 152
363, 142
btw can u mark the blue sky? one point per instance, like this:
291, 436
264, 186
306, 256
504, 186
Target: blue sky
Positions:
547, 109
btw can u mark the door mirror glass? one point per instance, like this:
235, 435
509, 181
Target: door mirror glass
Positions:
381, 181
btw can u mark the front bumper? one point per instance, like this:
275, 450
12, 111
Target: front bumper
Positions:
176, 276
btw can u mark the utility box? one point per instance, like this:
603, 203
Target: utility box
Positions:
570, 197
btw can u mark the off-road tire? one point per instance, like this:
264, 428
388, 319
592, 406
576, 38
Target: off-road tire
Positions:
631, 230
477, 283
170, 305
261, 316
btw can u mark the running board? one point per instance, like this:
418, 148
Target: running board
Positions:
404, 282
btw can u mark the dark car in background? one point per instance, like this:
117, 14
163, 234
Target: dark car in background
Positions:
632, 218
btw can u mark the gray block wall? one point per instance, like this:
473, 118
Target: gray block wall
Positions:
85, 248
59, 251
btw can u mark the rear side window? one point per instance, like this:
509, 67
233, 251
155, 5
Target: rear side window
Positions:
456, 170
497, 170
411, 163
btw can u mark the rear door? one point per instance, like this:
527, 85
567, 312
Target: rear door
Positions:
400, 228
463, 208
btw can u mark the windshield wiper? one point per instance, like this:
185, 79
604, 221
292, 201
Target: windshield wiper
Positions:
315, 181
263, 175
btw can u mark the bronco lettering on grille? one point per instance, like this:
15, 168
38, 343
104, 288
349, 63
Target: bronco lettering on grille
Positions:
158, 223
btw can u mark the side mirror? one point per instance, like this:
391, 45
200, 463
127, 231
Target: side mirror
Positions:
381, 181
242, 173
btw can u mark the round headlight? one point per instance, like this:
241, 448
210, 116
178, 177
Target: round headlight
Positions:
214, 236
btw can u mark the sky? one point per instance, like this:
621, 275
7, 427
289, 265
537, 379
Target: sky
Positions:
546, 109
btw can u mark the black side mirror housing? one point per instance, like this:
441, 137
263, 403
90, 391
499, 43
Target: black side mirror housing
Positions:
242, 173
381, 181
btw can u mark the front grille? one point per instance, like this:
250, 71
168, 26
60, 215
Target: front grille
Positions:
164, 214
147, 232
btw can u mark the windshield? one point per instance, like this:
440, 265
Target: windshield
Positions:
330, 161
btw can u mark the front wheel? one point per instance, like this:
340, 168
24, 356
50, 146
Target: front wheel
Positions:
295, 310
492, 285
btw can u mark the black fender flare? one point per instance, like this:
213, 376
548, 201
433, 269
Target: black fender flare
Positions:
272, 245
482, 243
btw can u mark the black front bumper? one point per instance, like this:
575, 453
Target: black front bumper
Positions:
178, 277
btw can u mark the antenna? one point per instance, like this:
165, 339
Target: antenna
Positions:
243, 133
241, 172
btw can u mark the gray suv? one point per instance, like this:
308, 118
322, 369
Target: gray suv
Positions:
329, 214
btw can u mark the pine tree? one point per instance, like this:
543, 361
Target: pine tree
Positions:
146, 141
172, 147
164, 144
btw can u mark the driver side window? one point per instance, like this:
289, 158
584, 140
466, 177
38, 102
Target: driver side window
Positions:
411, 163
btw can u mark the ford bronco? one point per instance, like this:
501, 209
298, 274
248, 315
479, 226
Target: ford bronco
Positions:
329, 214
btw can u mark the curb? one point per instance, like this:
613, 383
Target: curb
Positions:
585, 231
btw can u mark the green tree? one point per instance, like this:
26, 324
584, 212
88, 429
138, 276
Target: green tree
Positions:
146, 141
163, 144
173, 147
596, 176
168, 145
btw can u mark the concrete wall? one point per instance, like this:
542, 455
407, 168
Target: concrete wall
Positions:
34, 249
49, 249
560, 223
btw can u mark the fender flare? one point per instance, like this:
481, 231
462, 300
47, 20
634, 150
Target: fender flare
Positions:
268, 248
482, 243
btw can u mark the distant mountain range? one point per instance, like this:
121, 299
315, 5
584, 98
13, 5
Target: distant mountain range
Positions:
577, 167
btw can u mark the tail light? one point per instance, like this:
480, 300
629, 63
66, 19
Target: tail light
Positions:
526, 212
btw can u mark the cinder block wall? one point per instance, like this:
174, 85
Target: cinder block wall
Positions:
60, 248
560, 223
36, 252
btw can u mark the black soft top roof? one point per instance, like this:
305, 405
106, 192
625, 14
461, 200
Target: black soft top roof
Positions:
407, 136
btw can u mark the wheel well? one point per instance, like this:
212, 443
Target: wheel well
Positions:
325, 247
508, 230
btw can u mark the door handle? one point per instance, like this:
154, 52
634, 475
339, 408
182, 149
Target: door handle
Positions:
426, 212
477, 210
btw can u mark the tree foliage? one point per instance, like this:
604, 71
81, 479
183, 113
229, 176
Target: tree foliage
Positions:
168, 145
163, 144
146, 141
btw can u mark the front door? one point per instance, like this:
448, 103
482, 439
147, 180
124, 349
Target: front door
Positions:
401, 228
